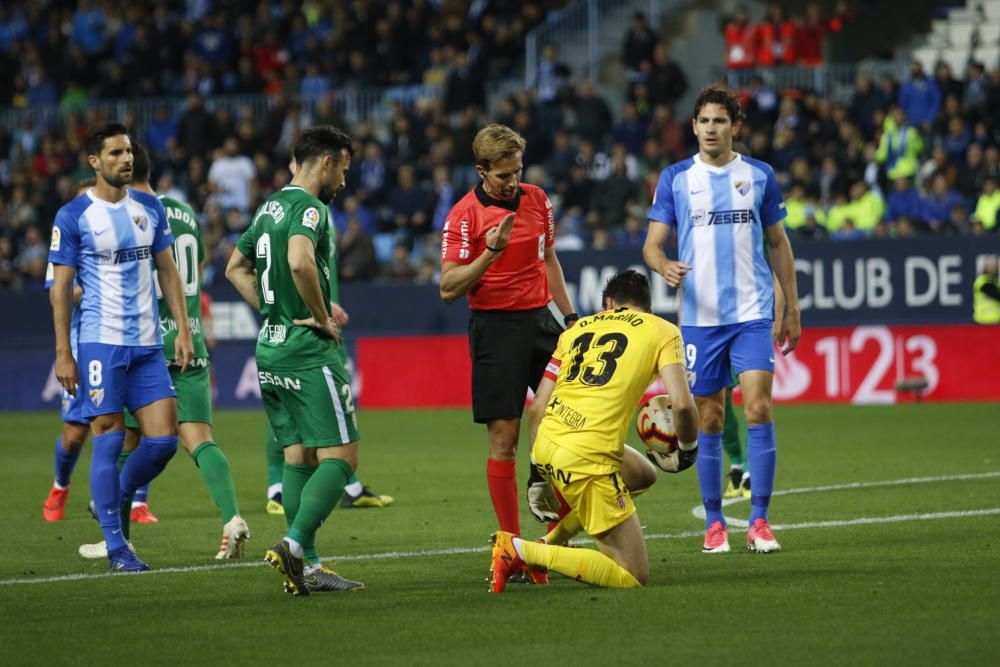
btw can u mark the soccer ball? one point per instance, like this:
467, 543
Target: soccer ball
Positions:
655, 428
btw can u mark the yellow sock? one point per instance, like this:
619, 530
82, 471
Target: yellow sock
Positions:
586, 565
565, 530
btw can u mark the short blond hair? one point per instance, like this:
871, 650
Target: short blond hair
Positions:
496, 142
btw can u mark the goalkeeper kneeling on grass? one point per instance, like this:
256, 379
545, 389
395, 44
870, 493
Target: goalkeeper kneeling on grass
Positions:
577, 424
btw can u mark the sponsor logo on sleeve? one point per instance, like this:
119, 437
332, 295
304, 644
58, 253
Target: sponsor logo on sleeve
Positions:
56, 239
310, 218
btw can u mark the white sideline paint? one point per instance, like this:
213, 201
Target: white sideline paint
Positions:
899, 518
699, 511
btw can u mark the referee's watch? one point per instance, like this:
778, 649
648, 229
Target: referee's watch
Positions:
570, 318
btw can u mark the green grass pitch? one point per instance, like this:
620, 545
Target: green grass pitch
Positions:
875, 573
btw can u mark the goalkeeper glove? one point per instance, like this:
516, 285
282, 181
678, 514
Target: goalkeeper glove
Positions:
542, 501
686, 457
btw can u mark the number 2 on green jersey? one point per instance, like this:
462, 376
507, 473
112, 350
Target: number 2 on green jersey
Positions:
264, 252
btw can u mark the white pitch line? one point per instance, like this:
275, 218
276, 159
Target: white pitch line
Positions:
699, 510
899, 518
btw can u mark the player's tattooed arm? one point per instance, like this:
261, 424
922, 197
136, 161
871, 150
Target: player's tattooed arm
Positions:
240, 272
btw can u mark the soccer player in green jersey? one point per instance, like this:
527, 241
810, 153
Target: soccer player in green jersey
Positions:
281, 265
194, 385
356, 494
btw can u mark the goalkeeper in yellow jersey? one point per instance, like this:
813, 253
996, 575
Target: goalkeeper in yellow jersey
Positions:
577, 423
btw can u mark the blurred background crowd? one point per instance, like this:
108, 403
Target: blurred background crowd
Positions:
909, 155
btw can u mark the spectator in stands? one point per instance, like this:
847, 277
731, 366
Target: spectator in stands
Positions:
400, 269
444, 197
638, 48
946, 81
670, 133
776, 38
33, 258
196, 130
373, 175
901, 145
956, 142
988, 205
10, 278
630, 130
936, 164
666, 81
867, 99
741, 41
986, 293
920, 97
969, 180
810, 36
356, 253
938, 204
865, 210
463, 88
632, 234
231, 178
977, 89
795, 206
552, 78
408, 203
847, 232
904, 200
593, 117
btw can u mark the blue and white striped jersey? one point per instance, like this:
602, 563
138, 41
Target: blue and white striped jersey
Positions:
720, 214
112, 248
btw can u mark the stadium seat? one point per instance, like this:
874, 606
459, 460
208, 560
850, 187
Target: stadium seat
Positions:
989, 34
960, 33
964, 16
384, 244
987, 55
927, 56
991, 9
957, 59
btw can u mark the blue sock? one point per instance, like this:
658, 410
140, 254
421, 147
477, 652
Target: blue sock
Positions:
65, 462
141, 494
709, 465
761, 459
146, 463
104, 486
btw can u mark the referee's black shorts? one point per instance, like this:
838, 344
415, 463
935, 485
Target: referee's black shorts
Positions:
509, 350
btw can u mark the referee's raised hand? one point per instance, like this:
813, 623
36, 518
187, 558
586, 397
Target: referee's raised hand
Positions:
498, 237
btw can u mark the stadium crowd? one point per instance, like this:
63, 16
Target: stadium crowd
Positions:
917, 156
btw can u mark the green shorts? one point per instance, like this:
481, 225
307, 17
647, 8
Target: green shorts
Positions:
194, 396
312, 407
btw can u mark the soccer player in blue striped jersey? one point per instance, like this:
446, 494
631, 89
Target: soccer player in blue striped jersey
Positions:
75, 428
725, 207
112, 238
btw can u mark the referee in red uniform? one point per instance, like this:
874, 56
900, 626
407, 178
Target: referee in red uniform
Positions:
496, 247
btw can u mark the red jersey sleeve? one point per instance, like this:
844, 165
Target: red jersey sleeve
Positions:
457, 235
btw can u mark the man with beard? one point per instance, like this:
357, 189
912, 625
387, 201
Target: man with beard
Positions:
115, 238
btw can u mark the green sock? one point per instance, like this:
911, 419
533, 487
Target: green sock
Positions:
731, 434
295, 477
275, 456
319, 496
214, 469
